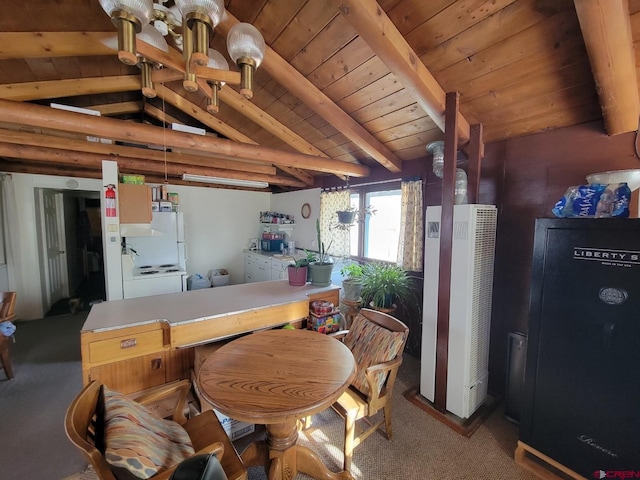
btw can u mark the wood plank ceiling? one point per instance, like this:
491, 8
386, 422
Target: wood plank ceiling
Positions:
345, 86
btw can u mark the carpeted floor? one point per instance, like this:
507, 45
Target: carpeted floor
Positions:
46, 362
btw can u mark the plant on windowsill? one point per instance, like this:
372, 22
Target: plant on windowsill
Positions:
322, 268
384, 284
352, 281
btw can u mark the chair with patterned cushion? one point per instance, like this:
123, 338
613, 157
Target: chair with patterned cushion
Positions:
122, 439
377, 341
7, 314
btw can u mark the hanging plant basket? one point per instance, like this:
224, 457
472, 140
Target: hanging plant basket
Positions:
346, 217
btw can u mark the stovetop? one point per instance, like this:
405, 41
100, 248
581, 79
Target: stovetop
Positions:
155, 270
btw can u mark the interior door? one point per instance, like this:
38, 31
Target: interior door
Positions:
54, 241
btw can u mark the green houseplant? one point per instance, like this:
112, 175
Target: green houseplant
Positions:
383, 284
321, 269
352, 280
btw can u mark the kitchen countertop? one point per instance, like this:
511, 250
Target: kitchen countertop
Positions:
278, 255
196, 305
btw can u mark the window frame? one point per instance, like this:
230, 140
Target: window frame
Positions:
362, 192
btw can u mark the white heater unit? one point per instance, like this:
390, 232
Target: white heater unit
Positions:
474, 233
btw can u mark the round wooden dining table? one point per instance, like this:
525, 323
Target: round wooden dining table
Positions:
275, 378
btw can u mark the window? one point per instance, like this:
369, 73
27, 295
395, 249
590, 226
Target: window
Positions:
377, 237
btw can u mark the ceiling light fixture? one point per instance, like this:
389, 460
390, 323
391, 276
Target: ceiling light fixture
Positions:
199, 18
224, 181
129, 16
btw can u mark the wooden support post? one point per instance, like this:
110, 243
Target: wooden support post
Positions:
446, 244
476, 154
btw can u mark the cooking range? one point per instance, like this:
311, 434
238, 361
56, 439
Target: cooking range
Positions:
158, 269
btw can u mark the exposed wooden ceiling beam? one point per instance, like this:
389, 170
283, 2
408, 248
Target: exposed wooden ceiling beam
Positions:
606, 29
316, 100
374, 26
109, 109
91, 160
34, 139
27, 91
222, 128
53, 44
45, 117
266, 121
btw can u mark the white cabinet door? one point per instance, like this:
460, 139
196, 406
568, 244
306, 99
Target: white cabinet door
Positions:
279, 270
257, 268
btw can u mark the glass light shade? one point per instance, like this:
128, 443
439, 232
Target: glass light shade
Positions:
437, 150
214, 9
244, 40
153, 37
141, 9
217, 60
175, 15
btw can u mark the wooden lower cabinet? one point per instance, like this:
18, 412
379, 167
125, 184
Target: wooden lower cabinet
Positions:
131, 359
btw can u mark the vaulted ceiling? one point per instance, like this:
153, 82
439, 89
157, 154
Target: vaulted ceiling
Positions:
345, 85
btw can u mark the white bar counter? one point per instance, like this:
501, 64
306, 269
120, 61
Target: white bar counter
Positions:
197, 305
137, 343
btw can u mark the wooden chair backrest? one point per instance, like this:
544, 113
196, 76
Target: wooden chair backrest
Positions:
386, 321
7, 307
80, 425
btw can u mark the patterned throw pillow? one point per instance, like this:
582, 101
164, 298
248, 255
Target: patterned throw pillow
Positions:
137, 443
371, 344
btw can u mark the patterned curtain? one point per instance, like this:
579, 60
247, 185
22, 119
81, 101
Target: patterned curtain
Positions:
411, 244
330, 203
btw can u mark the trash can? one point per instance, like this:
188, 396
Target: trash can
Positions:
219, 277
198, 281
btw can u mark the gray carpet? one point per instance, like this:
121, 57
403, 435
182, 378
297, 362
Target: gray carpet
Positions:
46, 361
46, 365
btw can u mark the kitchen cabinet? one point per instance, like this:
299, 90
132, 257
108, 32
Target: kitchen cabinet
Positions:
257, 268
135, 203
279, 269
135, 344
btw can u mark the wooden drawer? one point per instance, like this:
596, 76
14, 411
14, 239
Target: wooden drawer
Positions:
125, 346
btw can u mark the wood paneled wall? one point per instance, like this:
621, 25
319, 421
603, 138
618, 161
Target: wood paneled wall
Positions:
537, 171
524, 177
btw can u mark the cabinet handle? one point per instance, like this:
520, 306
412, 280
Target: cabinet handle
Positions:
128, 343
156, 364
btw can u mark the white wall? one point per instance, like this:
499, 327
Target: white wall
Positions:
219, 224
29, 295
290, 203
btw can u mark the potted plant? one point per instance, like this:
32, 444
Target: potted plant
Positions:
349, 216
352, 281
383, 284
297, 272
321, 269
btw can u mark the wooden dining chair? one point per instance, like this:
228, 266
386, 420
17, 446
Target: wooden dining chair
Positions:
377, 341
84, 425
7, 307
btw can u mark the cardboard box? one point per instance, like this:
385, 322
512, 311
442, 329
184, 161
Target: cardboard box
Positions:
132, 179
235, 428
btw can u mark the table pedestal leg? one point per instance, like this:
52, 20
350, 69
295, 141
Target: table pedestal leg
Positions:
285, 459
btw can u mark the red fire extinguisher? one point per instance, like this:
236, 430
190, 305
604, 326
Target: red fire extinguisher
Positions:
110, 201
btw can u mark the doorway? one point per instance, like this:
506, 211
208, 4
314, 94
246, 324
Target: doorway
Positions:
70, 248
